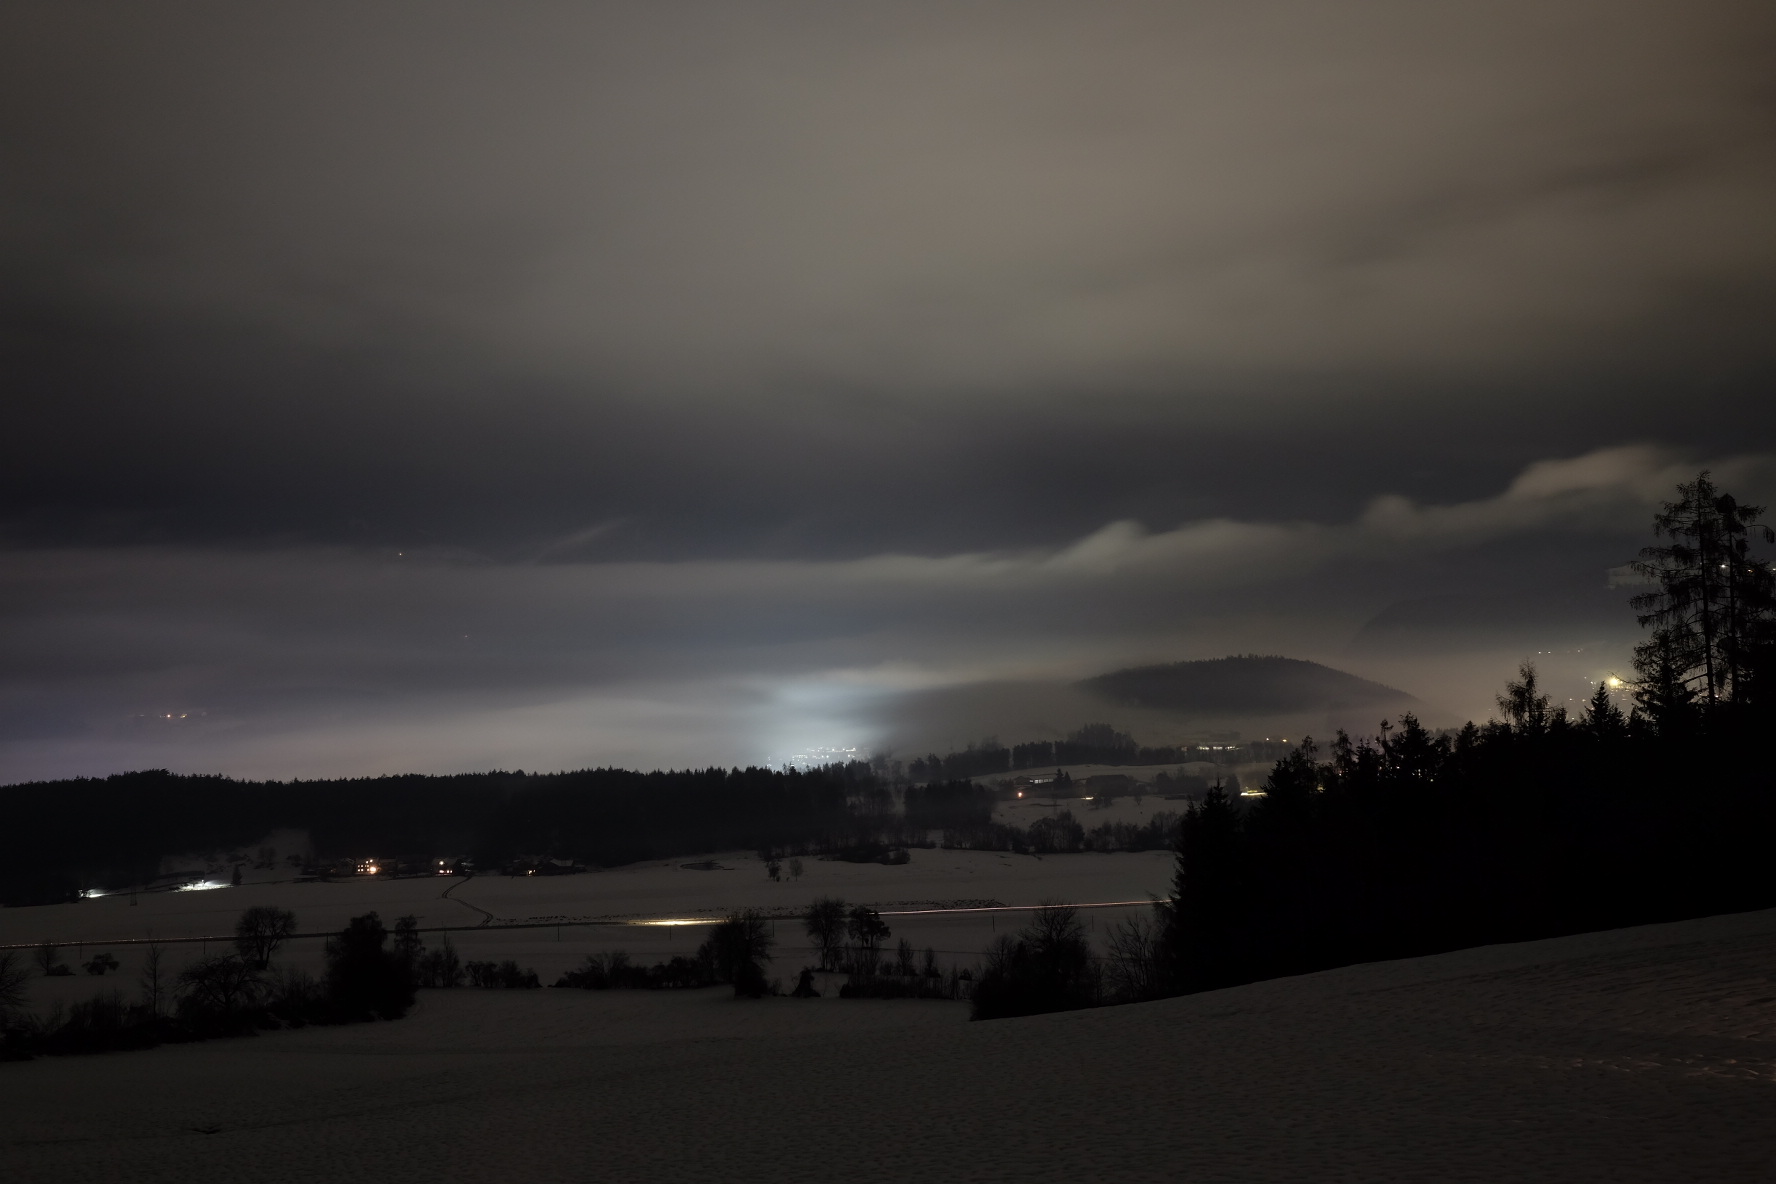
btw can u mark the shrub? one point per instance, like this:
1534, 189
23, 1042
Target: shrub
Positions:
590, 976
602, 972
98, 964
439, 968
407, 946
260, 931
900, 988
1057, 834
363, 978
1139, 964
1048, 966
220, 996
735, 949
101, 1024
219, 993
49, 959
614, 971
868, 931
501, 976
749, 981
295, 998
682, 972
14, 974
903, 958
826, 928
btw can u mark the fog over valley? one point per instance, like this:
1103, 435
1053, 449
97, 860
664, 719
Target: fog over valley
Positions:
573, 385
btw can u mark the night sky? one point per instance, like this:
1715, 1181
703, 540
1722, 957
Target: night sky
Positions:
427, 387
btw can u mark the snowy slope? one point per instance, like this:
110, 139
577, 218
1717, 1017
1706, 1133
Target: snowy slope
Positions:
1641, 1054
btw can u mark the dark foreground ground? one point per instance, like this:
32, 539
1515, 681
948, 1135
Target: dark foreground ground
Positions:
1641, 1054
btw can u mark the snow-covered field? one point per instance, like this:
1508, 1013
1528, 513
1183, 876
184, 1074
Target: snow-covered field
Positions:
662, 890
1640, 1054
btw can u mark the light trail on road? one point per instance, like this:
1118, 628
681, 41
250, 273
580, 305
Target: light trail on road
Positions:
589, 922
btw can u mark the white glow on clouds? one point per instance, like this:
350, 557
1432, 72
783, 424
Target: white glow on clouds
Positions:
329, 662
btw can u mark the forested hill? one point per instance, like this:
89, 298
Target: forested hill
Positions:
1249, 685
63, 835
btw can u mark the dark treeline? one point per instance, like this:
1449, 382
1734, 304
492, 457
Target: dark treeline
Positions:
1094, 744
1528, 827
1063, 834
959, 814
1532, 825
851, 940
221, 995
113, 832
948, 805
735, 954
62, 836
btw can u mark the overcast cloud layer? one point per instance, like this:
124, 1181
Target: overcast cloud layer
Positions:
430, 386
314, 660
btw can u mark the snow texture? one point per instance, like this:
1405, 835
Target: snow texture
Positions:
1639, 1054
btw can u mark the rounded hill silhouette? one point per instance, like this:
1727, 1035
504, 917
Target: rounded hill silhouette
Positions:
1248, 685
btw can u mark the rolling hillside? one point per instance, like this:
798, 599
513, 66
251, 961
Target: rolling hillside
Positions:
1244, 686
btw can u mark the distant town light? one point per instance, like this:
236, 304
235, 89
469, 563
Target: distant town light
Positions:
814, 758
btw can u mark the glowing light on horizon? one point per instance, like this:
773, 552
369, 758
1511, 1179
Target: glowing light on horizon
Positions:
201, 885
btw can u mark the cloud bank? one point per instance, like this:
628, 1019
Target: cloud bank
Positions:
304, 661
808, 281
434, 385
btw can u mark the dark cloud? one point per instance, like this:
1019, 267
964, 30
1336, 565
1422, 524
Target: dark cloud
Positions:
286, 660
813, 309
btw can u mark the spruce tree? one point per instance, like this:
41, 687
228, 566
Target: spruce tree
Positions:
1603, 719
1715, 600
1208, 894
1663, 695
